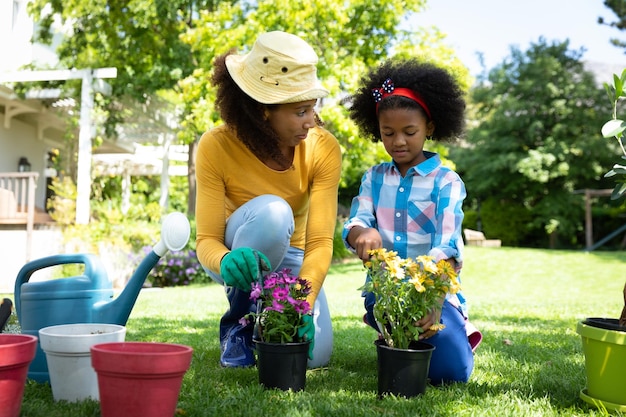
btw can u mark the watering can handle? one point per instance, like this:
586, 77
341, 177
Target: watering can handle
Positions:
94, 269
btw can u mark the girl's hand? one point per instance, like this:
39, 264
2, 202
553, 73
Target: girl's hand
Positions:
363, 240
430, 323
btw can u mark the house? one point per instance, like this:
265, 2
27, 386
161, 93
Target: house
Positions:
34, 127
29, 132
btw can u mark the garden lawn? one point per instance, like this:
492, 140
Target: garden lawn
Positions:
527, 303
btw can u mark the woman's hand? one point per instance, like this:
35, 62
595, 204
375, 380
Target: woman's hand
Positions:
241, 266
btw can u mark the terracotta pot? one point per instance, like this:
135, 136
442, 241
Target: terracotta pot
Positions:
16, 353
282, 365
403, 372
139, 378
68, 355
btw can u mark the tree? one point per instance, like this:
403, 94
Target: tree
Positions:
140, 38
619, 8
350, 38
168, 48
537, 141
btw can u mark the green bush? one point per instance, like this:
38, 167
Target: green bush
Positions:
62, 204
339, 248
504, 220
470, 220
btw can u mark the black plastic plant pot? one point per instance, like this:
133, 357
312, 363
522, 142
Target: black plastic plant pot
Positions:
282, 366
403, 372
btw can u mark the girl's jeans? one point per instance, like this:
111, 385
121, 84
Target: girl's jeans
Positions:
452, 360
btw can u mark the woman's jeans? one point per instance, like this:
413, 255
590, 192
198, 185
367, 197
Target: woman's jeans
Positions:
452, 360
266, 224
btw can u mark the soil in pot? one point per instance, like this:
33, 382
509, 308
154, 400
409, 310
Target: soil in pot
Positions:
605, 323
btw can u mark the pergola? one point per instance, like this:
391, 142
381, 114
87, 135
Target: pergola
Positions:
153, 122
146, 160
86, 133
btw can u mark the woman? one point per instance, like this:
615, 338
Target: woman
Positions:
267, 186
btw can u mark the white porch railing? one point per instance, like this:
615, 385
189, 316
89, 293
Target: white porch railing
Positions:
17, 202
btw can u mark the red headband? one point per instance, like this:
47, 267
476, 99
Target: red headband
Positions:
388, 89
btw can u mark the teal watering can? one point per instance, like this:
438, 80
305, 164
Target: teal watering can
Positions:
87, 298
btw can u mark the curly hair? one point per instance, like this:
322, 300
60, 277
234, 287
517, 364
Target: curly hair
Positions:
245, 115
438, 89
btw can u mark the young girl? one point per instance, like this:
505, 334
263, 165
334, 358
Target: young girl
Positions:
413, 205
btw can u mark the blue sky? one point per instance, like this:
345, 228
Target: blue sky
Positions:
492, 26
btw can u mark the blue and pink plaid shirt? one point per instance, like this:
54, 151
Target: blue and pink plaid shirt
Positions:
419, 214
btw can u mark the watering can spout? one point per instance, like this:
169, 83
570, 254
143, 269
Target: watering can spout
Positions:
175, 232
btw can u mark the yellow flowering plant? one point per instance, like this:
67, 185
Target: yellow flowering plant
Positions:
406, 290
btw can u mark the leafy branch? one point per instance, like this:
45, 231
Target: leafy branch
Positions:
615, 128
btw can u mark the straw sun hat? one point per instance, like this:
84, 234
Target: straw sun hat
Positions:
280, 68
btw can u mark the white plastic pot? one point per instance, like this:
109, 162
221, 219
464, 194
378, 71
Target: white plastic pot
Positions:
67, 348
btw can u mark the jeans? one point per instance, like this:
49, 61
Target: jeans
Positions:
266, 224
453, 359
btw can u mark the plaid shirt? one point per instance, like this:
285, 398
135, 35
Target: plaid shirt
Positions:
419, 214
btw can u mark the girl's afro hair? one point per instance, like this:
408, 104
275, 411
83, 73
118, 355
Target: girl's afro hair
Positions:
437, 88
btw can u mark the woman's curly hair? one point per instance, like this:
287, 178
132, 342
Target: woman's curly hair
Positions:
438, 89
245, 115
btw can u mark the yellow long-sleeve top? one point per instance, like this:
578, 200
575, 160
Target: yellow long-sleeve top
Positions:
228, 175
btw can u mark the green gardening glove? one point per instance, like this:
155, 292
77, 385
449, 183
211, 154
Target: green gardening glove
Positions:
306, 331
241, 266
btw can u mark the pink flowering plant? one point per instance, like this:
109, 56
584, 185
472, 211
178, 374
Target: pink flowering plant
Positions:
282, 297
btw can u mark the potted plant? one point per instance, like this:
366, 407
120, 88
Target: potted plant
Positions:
406, 290
281, 353
604, 339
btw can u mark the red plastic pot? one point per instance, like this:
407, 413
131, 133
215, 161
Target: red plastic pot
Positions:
16, 353
139, 378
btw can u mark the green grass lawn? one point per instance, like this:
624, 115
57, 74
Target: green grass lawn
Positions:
526, 302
